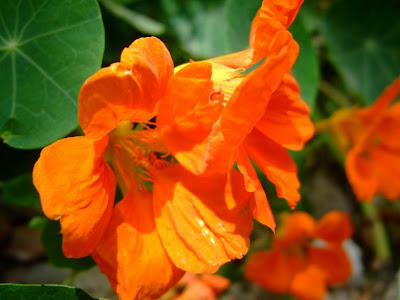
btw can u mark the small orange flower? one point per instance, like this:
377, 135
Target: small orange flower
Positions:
145, 242
199, 287
370, 138
237, 117
306, 257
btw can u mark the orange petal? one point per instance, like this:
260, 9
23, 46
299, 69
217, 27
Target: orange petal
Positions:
385, 164
131, 253
276, 164
77, 187
287, 120
358, 170
334, 227
273, 270
389, 94
309, 284
241, 59
333, 261
274, 15
186, 115
297, 227
258, 202
250, 99
129, 90
203, 222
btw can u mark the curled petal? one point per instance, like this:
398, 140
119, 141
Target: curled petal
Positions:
287, 120
276, 164
187, 114
250, 99
131, 253
334, 227
129, 90
274, 15
77, 187
203, 222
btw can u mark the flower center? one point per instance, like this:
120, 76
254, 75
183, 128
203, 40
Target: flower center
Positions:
134, 152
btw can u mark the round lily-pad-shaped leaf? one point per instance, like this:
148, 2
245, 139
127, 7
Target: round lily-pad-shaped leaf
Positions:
363, 42
41, 292
47, 50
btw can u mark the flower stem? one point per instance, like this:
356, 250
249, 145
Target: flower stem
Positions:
335, 95
69, 280
381, 240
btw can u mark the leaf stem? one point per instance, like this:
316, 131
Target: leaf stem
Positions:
381, 240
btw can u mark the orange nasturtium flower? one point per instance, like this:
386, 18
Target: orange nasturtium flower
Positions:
185, 207
199, 287
261, 116
370, 138
144, 243
306, 256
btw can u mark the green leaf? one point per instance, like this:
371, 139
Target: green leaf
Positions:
20, 192
238, 16
41, 292
198, 24
363, 42
138, 21
52, 242
47, 50
306, 68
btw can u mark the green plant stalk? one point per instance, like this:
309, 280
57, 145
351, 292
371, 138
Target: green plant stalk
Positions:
381, 240
69, 280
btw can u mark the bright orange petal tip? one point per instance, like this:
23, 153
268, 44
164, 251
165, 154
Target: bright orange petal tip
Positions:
273, 16
131, 253
307, 256
129, 90
77, 187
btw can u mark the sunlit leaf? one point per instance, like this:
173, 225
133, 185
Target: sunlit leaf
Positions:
198, 24
47, 50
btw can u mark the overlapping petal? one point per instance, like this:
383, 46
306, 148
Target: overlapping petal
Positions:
129, 90
203, 222
276, 164
274, 15
287, 120
77, 187
258, 202
132, 254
